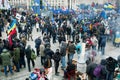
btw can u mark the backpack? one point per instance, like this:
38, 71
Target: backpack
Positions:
97, 71
33, 56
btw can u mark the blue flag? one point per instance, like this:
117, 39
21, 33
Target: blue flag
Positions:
37, 7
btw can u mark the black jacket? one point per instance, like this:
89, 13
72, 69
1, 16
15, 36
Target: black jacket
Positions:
48, 52
28, 53
90, 68
111, 64
57, 57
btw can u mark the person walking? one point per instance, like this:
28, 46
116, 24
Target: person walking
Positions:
110, 65
28, 53
48, 67
37, 45
94, 42
103, 40
42, 48
56, 58
78, 50
29, 32
16, 57
63, 48
71, 51
6, 61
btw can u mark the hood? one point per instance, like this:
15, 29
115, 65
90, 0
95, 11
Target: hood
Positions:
103, 62
5, 50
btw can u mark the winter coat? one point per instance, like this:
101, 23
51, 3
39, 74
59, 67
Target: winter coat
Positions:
48, 52
71, 48
63, 48
90, 68
22, 50
111, 64
57, 57
71, 67
102, 40
6, 57
79, 48
37, 43
28, 52
16, 54
42, 48
104, 70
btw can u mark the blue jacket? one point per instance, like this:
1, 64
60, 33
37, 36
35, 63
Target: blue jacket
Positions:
79, 48
103, 40
37, 43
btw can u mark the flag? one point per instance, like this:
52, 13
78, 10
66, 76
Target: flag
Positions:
10, 40
12, 26
37, 7
13, 32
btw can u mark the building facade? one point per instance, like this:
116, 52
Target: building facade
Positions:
20, 3
65, 4
71, 4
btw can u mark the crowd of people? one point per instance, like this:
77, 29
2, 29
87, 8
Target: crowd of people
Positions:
68, 32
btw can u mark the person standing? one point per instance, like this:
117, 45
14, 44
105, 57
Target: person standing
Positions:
37, 26
37, 45
103, 40
42, 48
6, 61
78, 49
110, 65
56, 58
22, 55
29, 32
94, 42
28, 53
71, 51
63, 48
1, 26
48, 67
68, 29
16, 57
